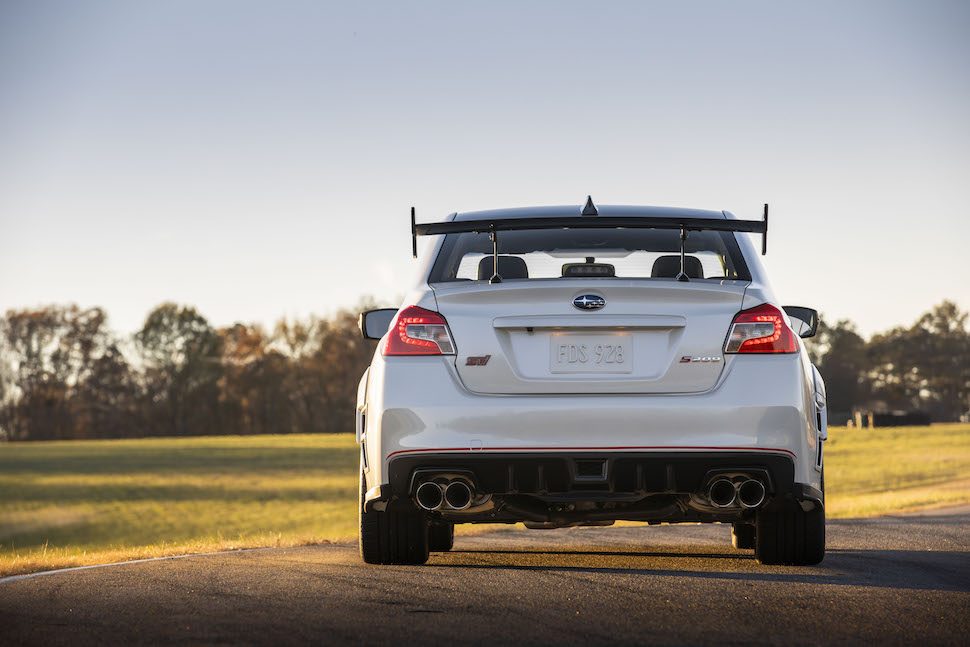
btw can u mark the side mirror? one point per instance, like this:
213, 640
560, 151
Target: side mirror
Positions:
375, 323
803, 320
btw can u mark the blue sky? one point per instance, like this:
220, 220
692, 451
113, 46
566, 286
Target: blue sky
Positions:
258, 160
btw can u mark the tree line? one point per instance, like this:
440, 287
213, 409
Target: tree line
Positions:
924, 367
65, 375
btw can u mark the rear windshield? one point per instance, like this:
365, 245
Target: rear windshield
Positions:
620, 253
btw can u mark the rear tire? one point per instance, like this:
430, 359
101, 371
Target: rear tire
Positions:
743, 536
396, 535
790, 536
441, 536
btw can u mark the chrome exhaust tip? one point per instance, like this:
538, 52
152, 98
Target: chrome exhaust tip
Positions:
428, 495
721, 493
751, 493
458, 495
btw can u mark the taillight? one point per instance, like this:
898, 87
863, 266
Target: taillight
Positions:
416, 331
761, 329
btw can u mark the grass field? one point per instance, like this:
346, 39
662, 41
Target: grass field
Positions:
83, 502
80, 502
882, 471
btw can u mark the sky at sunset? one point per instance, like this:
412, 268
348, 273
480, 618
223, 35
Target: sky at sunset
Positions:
258, 160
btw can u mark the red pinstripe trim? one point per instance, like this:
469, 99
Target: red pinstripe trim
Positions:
570, 449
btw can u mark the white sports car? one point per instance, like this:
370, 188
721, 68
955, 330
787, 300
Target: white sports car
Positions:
569, 366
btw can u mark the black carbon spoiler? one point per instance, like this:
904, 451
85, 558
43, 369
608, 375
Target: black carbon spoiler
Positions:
589, 220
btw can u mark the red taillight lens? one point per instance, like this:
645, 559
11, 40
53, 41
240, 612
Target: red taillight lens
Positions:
761, 329
416, 331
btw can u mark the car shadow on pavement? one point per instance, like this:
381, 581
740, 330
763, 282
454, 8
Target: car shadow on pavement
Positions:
890, 569
607, 553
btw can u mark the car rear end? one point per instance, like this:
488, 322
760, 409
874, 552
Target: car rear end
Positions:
602, 376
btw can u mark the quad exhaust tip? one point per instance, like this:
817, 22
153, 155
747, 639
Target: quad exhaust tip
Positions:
429, 496
458, 495
751, 493
722, 493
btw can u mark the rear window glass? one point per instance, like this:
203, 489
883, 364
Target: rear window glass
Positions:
632, 254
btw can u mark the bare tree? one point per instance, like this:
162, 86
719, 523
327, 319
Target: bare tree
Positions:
54, 349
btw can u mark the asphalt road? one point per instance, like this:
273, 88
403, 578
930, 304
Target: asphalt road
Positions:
895, 580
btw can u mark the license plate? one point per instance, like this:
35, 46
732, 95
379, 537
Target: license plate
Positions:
604, 353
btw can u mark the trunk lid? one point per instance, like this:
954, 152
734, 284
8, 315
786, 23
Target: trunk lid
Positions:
527, 337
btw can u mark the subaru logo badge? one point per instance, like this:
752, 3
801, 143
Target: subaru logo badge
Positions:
589, 302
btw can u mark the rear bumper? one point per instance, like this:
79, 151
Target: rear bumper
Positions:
646, 486
417, 409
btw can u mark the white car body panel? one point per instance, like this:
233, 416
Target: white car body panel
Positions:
664, 320
427, 408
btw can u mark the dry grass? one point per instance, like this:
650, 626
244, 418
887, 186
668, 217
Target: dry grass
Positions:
75, 503
87, 502
884, 471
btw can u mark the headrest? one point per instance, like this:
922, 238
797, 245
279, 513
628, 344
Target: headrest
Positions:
509, 267
668, 267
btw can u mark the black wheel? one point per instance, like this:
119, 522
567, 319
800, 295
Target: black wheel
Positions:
791, 536
441, 536
396, 535
742, 536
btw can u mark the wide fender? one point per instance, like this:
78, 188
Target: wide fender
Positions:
820, 403
361, 405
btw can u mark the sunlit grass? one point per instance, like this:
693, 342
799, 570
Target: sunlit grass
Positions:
72, 503
895, 469
85, 502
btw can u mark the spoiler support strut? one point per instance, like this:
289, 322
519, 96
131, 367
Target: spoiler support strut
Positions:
683, 256
493, 236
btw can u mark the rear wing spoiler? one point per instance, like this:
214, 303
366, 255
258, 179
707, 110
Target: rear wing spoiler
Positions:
589, 220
